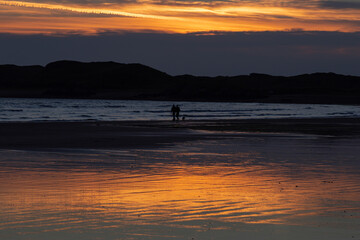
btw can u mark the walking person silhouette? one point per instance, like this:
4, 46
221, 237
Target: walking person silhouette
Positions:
177, 112
173, 111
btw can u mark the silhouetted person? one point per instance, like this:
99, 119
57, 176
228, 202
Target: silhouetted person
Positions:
177, 112
173, 111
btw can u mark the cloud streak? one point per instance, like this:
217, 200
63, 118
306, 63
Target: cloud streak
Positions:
82, 10
177, 16
339, 5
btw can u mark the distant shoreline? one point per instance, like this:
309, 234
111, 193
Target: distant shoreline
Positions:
150, 134
300, 101
110, 80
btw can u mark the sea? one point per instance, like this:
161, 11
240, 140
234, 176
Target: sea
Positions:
30, 109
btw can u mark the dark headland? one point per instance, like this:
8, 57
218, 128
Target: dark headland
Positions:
110, 80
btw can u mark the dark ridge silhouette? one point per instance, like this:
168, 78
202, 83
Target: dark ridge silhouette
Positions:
111, 80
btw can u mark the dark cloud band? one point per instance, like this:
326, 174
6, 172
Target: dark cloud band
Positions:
279, 53
339, 4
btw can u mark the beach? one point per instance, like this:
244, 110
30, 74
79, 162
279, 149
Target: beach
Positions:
217, 179
138, 134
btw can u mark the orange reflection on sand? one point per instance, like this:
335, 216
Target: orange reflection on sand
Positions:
171, 193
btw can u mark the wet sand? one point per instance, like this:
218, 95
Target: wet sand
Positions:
136, 134
244, 179
261, 186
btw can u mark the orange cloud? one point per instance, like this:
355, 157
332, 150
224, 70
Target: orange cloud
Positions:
50, 18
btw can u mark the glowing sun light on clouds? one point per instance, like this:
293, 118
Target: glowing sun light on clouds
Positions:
173, 16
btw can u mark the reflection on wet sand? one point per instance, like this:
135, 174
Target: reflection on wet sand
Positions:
200, 188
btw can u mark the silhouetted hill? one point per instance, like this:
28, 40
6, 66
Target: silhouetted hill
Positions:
12, 76
103, 75
110, 80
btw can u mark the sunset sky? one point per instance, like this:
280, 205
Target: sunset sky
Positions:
197, 37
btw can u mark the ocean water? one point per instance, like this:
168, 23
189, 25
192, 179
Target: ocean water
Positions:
256, 188
22, 109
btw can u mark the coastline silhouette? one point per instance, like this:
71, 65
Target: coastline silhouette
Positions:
111, 80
